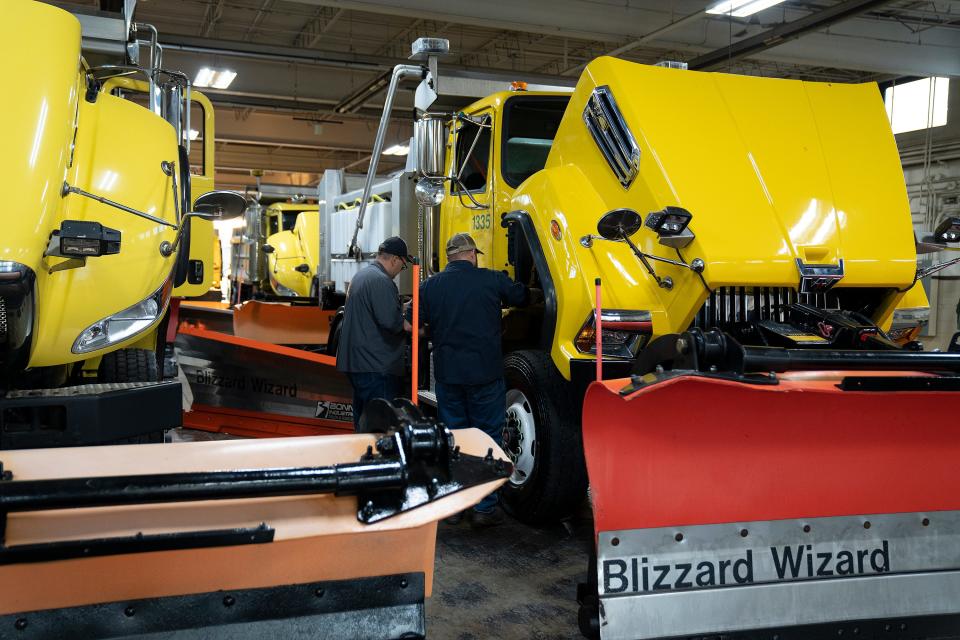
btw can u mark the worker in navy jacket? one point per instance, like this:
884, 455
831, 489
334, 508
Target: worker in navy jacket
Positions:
462, 306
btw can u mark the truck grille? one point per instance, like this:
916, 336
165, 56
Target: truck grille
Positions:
731, 305
3, 321
734, 305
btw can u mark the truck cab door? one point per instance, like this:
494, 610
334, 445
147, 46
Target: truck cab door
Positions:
468, 207
204, 243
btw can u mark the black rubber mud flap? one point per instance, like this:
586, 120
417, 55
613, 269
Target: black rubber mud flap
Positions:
558, 481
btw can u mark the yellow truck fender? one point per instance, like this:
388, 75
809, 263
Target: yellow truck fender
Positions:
564, 195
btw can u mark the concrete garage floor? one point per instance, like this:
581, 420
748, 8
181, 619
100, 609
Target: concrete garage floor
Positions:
511, 582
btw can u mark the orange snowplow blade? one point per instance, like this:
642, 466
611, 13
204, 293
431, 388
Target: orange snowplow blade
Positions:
280, 323
693, 450
175, 535
804, 504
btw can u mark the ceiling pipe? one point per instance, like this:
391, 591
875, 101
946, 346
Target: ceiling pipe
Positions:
254, 51
782, 33
644, 39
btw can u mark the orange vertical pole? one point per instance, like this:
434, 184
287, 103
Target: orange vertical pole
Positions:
599, 329
415, 337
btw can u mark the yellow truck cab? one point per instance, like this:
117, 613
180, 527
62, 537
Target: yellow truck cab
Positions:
696, 208
101, 240
292, 248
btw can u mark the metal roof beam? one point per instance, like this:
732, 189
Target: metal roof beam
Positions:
782, 33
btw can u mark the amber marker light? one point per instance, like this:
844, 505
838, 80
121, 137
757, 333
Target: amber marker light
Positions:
555, 230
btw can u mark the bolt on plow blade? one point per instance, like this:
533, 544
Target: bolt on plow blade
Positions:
791, 505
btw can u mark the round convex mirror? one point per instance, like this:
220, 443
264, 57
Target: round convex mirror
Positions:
221, 205
429, 192
619, 224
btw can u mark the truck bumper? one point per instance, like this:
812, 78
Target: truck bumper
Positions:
87, 414
800, 578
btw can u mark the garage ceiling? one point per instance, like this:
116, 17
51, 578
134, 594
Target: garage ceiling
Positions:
298, 59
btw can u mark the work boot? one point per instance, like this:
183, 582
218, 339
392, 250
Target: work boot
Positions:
455, 519
485, 519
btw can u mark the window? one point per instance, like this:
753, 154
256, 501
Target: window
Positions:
197, 127
473, 176
917, 105
530, 124
289, 220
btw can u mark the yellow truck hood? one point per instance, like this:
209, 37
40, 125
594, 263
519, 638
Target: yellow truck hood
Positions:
772, 171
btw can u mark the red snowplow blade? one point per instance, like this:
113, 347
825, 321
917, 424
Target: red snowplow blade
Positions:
694, 450
692, 472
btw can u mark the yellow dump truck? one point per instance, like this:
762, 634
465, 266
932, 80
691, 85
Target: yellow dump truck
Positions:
105, 233
276, 253
292, 248
696, 208
709, 214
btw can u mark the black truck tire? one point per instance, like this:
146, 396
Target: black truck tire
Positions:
557, 479
333, 340
129, 365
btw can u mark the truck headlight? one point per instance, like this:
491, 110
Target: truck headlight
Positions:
623, 332
671, 221
280, 289
125, 324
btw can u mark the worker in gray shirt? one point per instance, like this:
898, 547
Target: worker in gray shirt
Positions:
373, 332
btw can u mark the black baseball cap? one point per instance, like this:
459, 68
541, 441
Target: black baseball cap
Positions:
397, 247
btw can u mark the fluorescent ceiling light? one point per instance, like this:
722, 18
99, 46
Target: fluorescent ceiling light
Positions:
741, 8
216, 78
397, 150
194, 134
204, 76
223, 79
917, 105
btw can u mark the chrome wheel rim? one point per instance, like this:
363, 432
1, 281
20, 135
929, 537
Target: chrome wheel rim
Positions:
520, 436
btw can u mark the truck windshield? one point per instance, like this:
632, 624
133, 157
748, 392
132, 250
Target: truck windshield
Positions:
289, 220
529, 126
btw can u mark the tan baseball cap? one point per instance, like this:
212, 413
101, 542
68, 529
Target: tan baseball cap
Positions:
461, 242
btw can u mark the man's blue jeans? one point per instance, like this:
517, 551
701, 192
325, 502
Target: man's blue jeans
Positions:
367, 386
482, 406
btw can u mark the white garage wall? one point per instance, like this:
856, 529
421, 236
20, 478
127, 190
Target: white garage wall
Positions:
933, 187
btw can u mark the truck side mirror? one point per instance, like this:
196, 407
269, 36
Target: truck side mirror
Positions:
431, 142
619, 224
948, 230
220, 205
267, 248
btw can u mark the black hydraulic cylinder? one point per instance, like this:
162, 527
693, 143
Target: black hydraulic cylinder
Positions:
71, 493
776, 359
